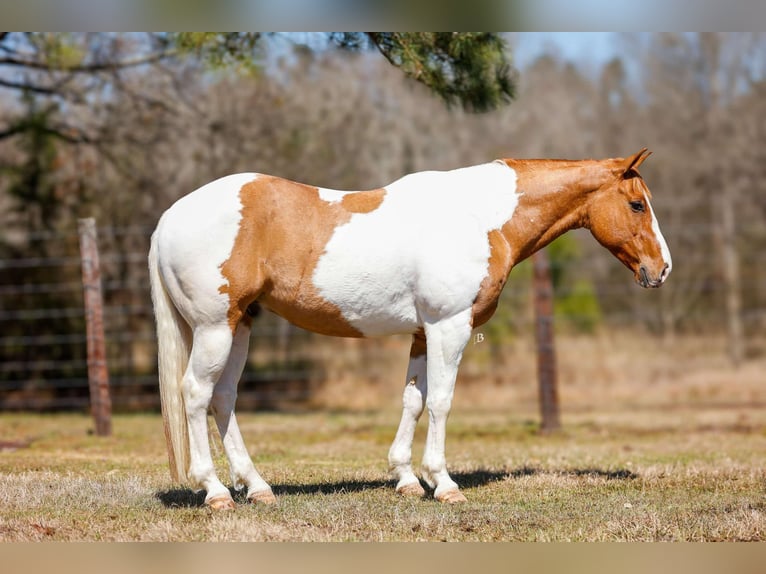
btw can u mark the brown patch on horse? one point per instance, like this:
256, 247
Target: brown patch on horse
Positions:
284, 229
363, 201
489, 291
547, 189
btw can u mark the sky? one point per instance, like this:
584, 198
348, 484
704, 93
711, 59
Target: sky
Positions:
583, 48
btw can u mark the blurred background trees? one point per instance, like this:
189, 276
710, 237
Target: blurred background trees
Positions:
118, 126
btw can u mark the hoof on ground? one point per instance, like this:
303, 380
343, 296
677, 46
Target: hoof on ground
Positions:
451, 497
223, 502
263, 497
412, 490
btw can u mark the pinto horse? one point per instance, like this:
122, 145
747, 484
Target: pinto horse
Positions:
427, 255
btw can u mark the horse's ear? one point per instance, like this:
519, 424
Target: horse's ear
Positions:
634, 161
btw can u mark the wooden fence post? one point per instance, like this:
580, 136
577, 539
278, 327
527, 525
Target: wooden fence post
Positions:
98, 375
542, 287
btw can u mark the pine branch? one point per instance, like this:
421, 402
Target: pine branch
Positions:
470, 69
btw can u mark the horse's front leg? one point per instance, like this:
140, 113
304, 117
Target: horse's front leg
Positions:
415, 392
445, 341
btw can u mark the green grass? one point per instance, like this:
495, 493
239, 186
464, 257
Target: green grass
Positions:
694, 473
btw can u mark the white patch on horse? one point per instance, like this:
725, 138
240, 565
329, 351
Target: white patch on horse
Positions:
423, 252
331, 195
186, 239
661, 239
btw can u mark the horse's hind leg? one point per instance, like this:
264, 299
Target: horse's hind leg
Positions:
211, 346
224, 398
415, 391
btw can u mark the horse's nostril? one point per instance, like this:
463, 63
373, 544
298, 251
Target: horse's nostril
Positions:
644, 276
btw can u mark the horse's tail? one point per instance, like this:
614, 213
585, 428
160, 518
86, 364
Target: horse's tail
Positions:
174, 345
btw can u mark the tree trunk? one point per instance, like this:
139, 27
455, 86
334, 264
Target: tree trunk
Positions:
546, 350
731, 276
98, 375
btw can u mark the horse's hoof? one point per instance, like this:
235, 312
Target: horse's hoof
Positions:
451, 497
412, 490
263, 497
223, 502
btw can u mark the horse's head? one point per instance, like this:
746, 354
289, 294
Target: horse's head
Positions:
622, 220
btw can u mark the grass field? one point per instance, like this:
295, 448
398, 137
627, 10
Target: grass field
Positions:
660, 442
693, 470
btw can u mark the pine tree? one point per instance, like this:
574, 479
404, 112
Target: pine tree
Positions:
471, 69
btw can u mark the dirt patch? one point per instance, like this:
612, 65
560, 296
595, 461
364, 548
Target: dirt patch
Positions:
13, 445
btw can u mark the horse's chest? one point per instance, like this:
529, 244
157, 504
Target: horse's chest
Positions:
498, 268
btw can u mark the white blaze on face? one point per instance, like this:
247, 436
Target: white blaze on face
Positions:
423, 251
661, 240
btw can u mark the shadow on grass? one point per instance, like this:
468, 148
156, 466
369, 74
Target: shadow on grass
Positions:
186, 498
481, 477
180, 498
619, 474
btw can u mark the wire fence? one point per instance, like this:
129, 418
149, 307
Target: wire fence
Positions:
43, 359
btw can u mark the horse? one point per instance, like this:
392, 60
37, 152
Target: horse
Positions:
426, 255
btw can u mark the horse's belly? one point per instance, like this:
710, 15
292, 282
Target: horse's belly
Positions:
351, 313
379, 311
374, 291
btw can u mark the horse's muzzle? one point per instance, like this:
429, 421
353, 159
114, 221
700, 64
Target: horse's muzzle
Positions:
644, 280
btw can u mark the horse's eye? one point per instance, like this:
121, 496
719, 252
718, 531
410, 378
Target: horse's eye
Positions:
637, 206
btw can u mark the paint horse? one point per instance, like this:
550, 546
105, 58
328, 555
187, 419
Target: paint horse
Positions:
427, 255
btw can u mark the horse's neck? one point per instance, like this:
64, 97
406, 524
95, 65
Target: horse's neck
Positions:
553, 198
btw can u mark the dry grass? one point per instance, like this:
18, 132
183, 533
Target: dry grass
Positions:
654, 450
680, 475
614, 368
